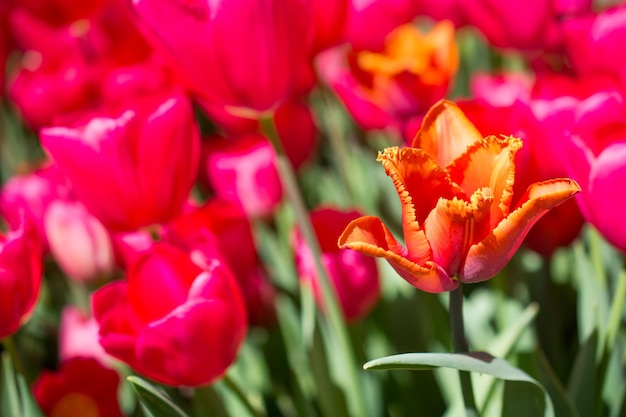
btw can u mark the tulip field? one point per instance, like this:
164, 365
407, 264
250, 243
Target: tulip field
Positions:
312, 208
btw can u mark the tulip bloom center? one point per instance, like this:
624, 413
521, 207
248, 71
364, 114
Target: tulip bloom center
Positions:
75, 405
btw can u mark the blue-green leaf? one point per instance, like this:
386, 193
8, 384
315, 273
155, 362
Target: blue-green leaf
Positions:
154, 400
471, 362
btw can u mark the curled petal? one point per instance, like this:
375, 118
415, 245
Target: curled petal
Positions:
420, 183
369, 236
490, 163
445, 133
488, 257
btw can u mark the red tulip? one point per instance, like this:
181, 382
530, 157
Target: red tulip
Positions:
133, 170
179, 318
225, 226
80, 387
354, 276
456, 189
20, 273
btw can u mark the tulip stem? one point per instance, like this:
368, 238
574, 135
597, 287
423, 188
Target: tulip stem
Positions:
336, 321
241, 395
459, 344
11, 348
337, 142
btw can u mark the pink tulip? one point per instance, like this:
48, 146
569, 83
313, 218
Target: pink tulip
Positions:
132, 170
179, 318
43, 91
354, 276
370, 21
329, 19
78, 337
214, 45
592, 40
61, 12
243, 172
523, 25
20, 273
597, 157
78, 241
33, 193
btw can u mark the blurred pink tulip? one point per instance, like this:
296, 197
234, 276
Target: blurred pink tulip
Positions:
592, 40
215, 44
354, 276
133, 170
33, 193
179, 318
43, 91
597, 157
370, 21
243, 171
78, 337
329, 19
78, 241
61, 12
523, 25
20, 272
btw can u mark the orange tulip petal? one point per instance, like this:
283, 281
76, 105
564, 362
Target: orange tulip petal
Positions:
369, 236
452, 226
445, 133
490, 163
420, 183
486, 258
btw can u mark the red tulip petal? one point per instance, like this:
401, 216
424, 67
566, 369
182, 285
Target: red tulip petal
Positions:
369, 236
420, 183
486, 258
194, 345
445, 133
490, 163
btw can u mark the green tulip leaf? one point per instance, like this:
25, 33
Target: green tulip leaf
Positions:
533, 398
157, 403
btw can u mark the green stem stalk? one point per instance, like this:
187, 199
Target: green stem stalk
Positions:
355, 398
236, 389
459, 344
11, 348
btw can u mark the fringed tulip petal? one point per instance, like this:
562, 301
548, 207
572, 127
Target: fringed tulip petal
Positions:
368, 235
420, 183
445, 133
452, 226
485, 259
490, 163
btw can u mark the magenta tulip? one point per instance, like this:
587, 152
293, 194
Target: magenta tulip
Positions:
133, 170
354, 276
20, 273
237, 54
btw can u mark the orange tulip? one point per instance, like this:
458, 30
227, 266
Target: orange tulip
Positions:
456, 189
